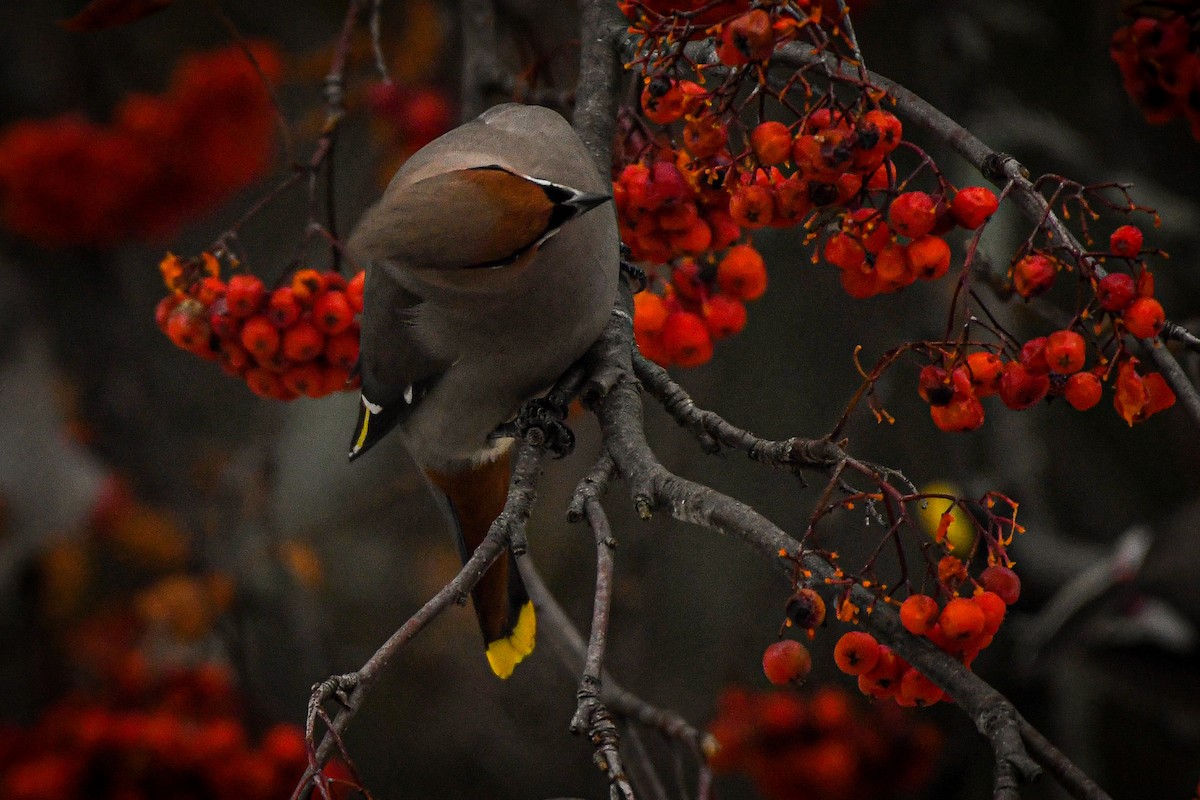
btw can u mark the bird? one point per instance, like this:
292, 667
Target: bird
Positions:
491, 266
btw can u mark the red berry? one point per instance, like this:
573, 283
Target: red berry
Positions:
1115, 291
984, 369
686, 339
961, 619
918, 690
912, 214
263, 382
883, 680
187, 328
919, 613
688, 281
751, 206
935, 386
891, 131
649, 312
305, 379
1033, 356
331, 312
973, 205
244, 295
742, 273
963, 413
844, 252
1083, 391
724, 315
748, 38
662, 101
1034, 275
1003, 581
1126, 241
786, 661
282, 308
1020, 388
260, 337
856, 653
341, 350
771, 142
303, 342
704, 136
1144, 318
1065, 352
993, 607
929, 257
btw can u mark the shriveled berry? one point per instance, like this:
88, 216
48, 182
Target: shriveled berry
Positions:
786, 661
748, 38
806, 609
1003, 581
972, 206
1034, 275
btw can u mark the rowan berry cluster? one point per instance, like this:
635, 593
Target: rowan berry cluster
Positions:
697, 185
1056, 365
164, 159
1158, 57
961, 626
821, 746
298, 339
170, 735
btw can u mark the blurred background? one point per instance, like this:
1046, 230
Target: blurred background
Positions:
181, 559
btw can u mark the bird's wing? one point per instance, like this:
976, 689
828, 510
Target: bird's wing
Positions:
397, 370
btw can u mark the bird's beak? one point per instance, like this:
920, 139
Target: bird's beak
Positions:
586, 201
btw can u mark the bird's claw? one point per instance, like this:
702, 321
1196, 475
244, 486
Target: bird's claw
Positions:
632, 272
548, 418
336, 687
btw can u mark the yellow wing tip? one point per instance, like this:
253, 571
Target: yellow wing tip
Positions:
503, 655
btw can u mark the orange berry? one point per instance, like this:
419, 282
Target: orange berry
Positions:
856, 653
260, 337
1034, 275
1083, 391
929, 257
984, 369
994, 608
649, 312
1020, 388
748, 38
961, 619
331, 312
883, 680
951, 570
1065, 352
341, 350
704, 136
686, 339
306, 285
354, 291
912, 214
751, 206
918, 690
1144, 317
972, 206
244, 294
302, 342
844, 252
742, 273
963, 413
771, 142
919, 613
724, 315
786, 661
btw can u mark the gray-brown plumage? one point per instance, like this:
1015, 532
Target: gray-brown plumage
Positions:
491, 267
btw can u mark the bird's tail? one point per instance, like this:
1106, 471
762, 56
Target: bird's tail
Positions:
474, 498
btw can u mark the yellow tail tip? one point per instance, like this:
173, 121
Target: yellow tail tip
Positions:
503, 655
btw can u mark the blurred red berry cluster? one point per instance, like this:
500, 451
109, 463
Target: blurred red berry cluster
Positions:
163, 159
1055, 365
410, 117
177, 734
296, 340
1158, 57
821, 746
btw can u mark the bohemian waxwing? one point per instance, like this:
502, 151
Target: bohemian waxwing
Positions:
486, 278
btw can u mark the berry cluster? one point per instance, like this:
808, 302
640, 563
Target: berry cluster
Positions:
299, 339
1159, 58
692, 189
1056, 365
164, 159
173, 735
962, 627
821, 746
